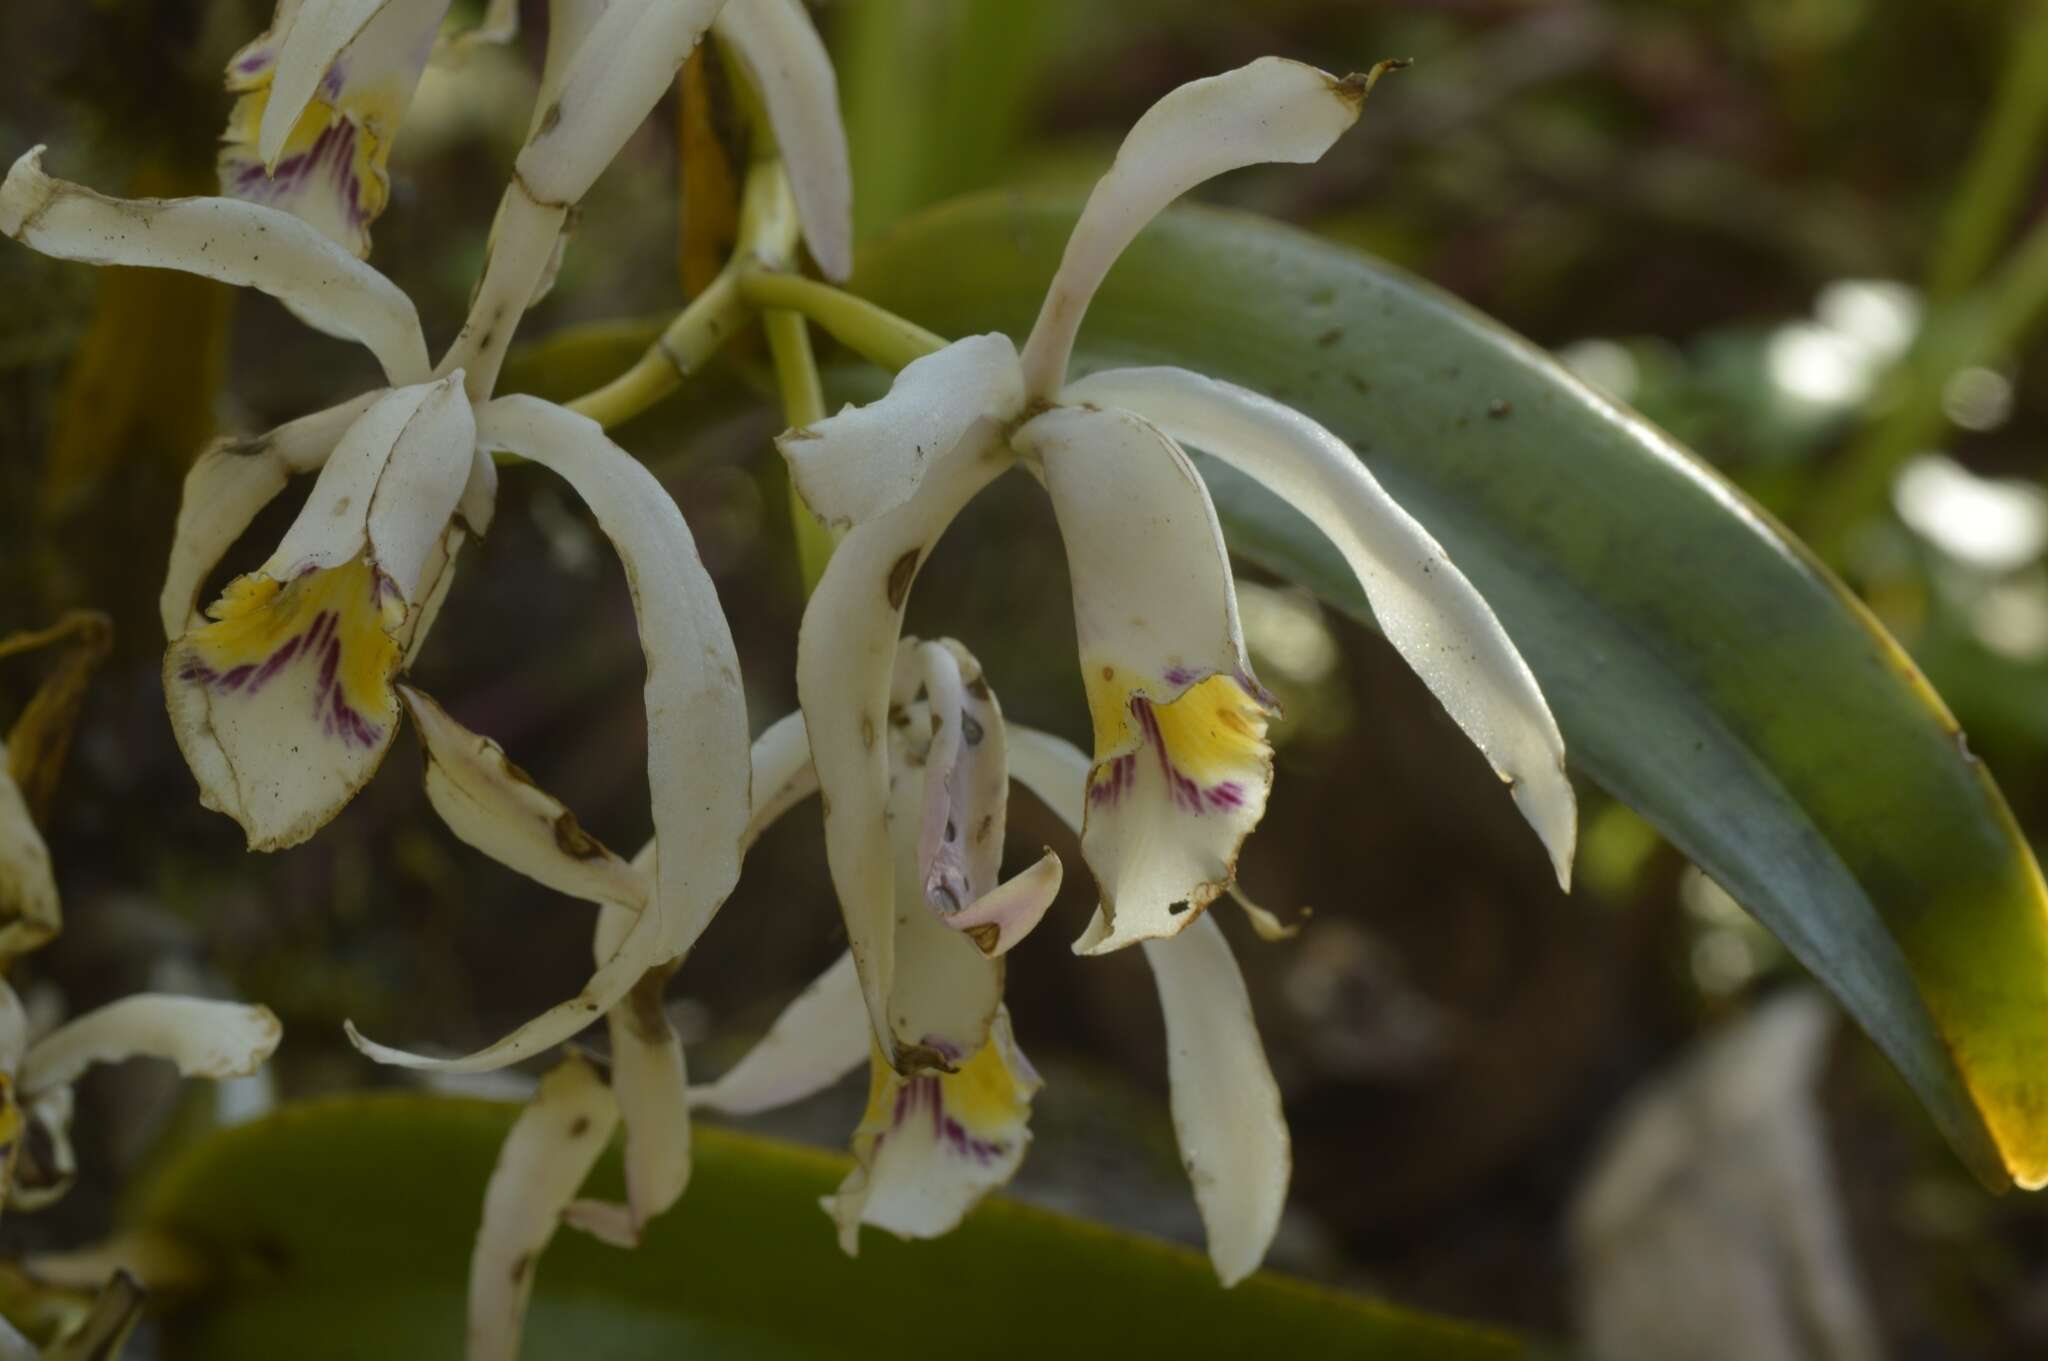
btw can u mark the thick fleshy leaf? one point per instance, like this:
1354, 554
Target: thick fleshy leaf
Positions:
1269, 110
204, 1038
229, 484
220, 238
29, 914
1182, 767
866, 460
1422, 602
1674, 628
699, 765
391, 1218
283, 705
846, 656
493, 805
1226, 1105
777, 44
930, 1146
557, 1139
819, 1038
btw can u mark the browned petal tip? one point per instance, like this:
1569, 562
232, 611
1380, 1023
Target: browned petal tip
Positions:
1355, 87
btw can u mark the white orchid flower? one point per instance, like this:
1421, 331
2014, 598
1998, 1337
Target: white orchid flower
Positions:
1181, 766
203, 1038
283, 700
932, 1143
322, 93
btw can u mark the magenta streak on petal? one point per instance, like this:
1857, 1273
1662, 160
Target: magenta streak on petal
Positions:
922, 1093
1181, 675
332, 154
1123, 772
338, 718
1184, 792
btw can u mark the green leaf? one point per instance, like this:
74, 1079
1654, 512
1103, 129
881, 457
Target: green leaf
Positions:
343, 1228
1704, 667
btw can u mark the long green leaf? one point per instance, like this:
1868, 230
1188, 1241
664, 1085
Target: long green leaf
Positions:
342, 1229
1703, 666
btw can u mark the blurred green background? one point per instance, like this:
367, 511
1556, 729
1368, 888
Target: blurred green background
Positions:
1796, 233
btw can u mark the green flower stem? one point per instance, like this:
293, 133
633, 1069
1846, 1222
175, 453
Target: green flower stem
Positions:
803, 402
686, 345
873, 333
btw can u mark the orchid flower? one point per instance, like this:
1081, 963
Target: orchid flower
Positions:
204, 1038
284, 695
1181, 766
932, 1143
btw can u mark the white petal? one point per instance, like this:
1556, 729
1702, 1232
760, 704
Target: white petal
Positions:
220, 238
846, 654
569, 23
283, 705
493, 805
818, 1038
1182, 768
783, 774
870, 459
1271, 110
943, 994
553, 1145
1428, 610
228, 484
619, 74
204, 1038
14, 1027
29, 914
1226, 1106
320, 108
1006, 914
931, 1146
651, 1084
519, 256
776, 42
315, 39
699, 765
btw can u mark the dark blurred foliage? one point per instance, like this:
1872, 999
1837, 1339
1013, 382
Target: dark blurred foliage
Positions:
1681, 184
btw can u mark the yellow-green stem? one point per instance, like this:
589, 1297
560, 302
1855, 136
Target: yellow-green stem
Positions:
871, 332
712, 318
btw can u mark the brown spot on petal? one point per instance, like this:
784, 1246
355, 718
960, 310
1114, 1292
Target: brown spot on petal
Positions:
549, 119
573, 841
867, 732
984, 827
521, 1266
900, 576
580, 1127
985, 937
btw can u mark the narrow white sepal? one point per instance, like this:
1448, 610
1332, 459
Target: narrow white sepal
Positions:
225, 239
204, 1038
818, 1039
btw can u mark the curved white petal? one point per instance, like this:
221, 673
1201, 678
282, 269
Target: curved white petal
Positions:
29, 914
519, 258
778, 45
846, 653
1424, 604
1006, 914
493, 805
220, 238
1226, 1106
818, 1038
228, 484
699, 765
553, 1145
322, 95
651, 1084
203, 1038
867, 460
783, 775
283, 705
931, 1146
618, 75
569, 23
1270, 110
1182, 768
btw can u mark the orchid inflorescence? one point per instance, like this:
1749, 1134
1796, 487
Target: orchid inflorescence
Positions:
285, 692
